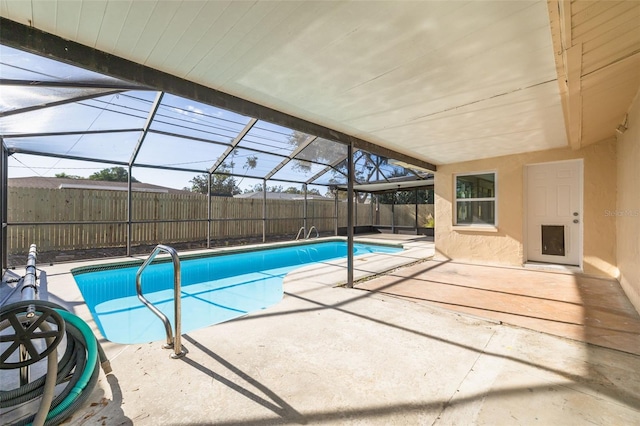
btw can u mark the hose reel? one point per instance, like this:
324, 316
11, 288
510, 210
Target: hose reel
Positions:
38, 328
26, 323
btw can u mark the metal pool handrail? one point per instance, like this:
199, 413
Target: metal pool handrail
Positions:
175, 343
302, 230
311, 229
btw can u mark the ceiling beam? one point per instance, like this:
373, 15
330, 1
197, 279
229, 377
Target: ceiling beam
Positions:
572, 70
120, 87
564, 7
574, 94
568, 59
556, 19
57, 103
27, 38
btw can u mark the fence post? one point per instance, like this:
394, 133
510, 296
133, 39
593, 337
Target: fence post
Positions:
264, 210
209, 211
393, 214
335, 212
304, 208
129, 213
415, 193
371, 210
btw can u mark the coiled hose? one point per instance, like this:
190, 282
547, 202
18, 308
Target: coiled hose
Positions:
78, 366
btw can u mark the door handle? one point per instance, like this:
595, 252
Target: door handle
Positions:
576, 221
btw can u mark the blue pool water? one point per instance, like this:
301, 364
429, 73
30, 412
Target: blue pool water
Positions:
214, 288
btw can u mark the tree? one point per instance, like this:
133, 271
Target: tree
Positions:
64, 175
222, 184
319, 151
294, 190
278, 188
274, 188
367, 167
255, 188
113, 174
199, 183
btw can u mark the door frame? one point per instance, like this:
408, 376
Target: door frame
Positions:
525, 199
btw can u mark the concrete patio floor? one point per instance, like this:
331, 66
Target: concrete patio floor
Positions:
585, 308
327, 355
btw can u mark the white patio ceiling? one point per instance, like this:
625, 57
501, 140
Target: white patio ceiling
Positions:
440, 81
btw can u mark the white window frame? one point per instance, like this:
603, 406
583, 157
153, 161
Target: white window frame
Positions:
494, 199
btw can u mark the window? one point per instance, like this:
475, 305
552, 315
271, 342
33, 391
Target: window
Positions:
475, 199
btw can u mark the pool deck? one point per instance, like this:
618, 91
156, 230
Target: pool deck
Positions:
327, 355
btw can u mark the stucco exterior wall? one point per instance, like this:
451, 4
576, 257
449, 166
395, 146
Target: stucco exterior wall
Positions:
628, 206
507, 245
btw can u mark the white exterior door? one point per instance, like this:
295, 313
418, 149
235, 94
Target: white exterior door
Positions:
554, 212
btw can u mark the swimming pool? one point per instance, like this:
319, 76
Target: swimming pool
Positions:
215, 288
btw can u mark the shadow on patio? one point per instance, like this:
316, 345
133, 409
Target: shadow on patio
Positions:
583, 308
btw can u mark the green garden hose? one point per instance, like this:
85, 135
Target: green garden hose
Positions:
92, 359
80, 360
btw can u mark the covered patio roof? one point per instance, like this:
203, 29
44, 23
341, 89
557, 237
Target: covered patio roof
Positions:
440, 82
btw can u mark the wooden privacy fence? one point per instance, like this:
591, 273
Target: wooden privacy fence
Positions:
76, 219
385, 215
